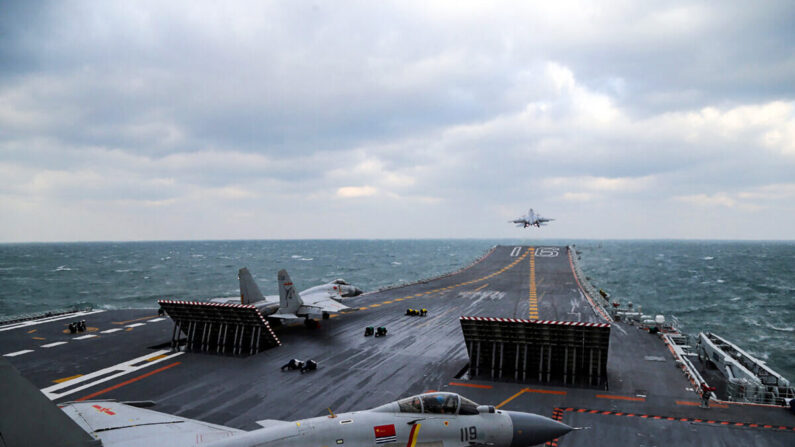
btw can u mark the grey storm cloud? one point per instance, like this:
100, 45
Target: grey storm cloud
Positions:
214, 116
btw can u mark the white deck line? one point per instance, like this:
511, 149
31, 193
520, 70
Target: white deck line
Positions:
53, 393
57, 343
85, 337
47, 320
14, 354
155, 320
136, 325
110, 331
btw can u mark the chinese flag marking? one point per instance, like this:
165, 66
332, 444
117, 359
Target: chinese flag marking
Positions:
385, 433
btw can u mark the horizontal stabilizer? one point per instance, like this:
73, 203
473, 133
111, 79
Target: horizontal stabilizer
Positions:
114, 423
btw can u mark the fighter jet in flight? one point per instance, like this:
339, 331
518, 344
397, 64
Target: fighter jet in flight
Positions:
427, 419
531, 220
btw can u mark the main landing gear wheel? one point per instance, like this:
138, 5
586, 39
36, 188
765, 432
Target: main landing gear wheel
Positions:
311, 324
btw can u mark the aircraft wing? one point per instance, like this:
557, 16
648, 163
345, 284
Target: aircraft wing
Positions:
323, 302
118, 424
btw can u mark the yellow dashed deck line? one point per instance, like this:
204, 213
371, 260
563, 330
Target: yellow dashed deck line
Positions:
481, 288
157, 357
67, 378
387, 302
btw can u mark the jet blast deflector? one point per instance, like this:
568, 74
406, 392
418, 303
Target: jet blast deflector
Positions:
537, 351
238, 329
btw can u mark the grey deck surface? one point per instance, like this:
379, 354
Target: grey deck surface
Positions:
418, 354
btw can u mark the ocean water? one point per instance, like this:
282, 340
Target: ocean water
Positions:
744, 291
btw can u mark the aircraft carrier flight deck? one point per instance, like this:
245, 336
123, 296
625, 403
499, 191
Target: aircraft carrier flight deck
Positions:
519, 329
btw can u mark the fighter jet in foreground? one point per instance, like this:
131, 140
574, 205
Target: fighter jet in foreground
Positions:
531, 220
436, 419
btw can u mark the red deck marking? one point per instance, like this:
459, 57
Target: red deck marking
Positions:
688, 402
471, 385
134, 379
558, 416
531, 390
610, 396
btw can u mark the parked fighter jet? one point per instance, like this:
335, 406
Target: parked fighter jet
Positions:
532, 219
313, 303
435, 419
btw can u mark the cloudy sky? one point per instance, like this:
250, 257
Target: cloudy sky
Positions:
227, 120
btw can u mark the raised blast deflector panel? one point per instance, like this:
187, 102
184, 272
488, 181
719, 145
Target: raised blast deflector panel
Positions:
219, 328
537, 351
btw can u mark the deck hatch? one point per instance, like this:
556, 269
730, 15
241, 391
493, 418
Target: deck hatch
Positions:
537, 351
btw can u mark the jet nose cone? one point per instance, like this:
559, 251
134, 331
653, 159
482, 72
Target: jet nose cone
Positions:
532, 429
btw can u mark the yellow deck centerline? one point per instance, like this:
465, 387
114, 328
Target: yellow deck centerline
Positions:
137, 319
510, 398
157, 357
533, 298
67, 378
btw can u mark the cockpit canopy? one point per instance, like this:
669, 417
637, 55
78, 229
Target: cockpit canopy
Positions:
340, 282
438, 403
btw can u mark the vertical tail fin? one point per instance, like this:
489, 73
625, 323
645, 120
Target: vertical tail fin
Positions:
289, 300
249, 292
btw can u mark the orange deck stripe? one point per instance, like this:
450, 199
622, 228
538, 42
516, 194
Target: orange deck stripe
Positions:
632, 398
688, 402
134, 379
561, 393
